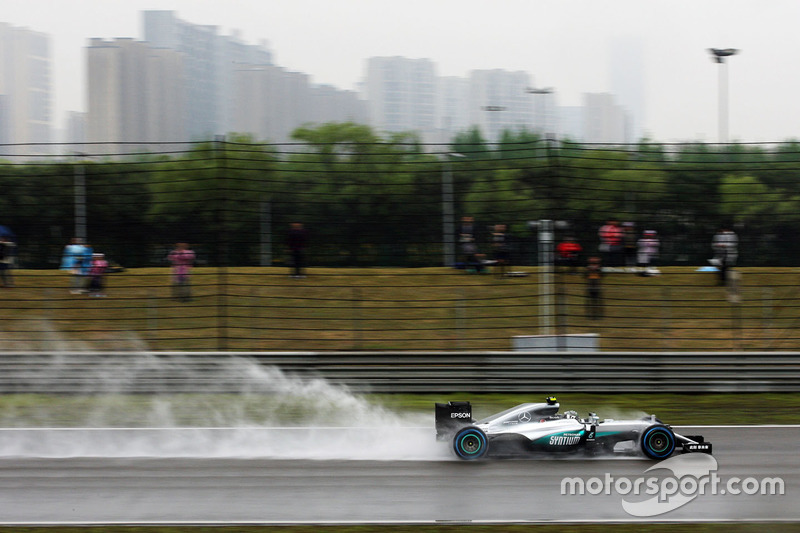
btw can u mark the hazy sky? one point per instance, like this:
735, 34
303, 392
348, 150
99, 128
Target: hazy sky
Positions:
564, 44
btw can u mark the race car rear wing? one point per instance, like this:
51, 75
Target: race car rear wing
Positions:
450, 416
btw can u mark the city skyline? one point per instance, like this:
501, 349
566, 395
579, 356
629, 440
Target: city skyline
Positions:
567, 46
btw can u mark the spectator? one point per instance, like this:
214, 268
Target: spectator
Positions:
726, 250
73, 260
568, 254
594, 295
500, 248
611, 247
297, 242
182, 260
648, 247
97, 273
474, 261
471, 258
6, 260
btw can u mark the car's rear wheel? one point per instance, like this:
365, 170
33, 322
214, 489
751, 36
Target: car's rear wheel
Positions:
658, 442
470, 443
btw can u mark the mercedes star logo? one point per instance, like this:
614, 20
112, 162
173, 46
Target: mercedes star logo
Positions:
524, 417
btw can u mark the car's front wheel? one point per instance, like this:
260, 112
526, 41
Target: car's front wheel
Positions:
470, 443
658, 442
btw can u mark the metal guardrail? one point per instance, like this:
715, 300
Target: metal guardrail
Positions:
407, 372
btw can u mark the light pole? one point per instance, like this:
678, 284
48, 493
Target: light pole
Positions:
546, 275
544, 91
546, 237
719, 55
448, 212
493, 132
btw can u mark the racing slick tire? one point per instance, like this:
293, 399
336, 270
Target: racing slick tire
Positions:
470, 443
658, 442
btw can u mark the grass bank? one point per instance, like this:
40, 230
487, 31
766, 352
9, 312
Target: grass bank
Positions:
27, 410
399, 309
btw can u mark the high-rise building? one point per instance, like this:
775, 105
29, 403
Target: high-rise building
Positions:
604, 120
25, 88
273, 102
628, 81
571, 123
233, 55
74, 131
401, 93
329, 104
5, 123
498, 101
211, 61
135, 93
406, 95
452, 107
545, 112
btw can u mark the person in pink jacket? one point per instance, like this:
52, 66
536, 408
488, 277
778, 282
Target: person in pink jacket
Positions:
182, 260
97, 274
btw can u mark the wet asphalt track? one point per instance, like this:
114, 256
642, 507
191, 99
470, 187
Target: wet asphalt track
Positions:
258, 490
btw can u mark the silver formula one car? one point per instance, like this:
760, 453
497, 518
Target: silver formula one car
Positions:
532, 428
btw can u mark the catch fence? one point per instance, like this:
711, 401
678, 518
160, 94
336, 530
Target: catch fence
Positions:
386, 265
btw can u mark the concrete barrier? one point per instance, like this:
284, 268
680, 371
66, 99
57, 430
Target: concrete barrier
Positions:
408, 372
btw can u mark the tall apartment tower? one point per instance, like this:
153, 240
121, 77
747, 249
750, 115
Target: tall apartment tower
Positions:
74, 131
452, 107
546, 118
273, 102
627, 69
329, 104
498, 101
25, 89
571, 123
211, 61
401, 93
135, 93
604, 120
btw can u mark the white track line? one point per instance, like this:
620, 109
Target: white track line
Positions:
398, 522
332, 428
217, 428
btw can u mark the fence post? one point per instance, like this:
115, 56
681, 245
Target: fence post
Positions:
546, 276
356, 318
561, 313
80, 201
546, 240
222, 244
767, 310
736, 325
254, 299
151, 324
666, 308
460, 314
448, 216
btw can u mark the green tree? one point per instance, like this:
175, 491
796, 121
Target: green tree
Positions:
746, 201
471, 144
365, 191
212, 196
